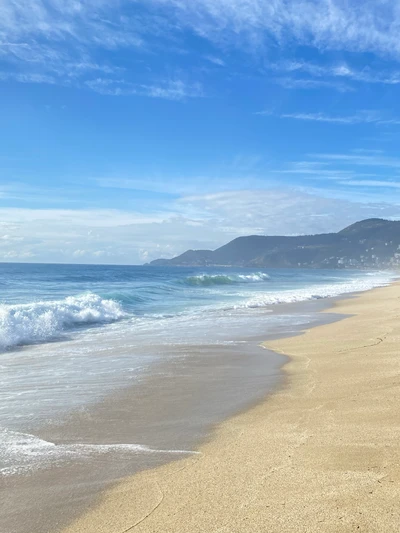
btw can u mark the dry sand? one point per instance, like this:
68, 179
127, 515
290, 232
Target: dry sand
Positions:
320, 455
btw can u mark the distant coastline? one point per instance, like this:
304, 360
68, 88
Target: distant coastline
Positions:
369, 244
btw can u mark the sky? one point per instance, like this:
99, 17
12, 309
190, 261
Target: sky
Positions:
137, 129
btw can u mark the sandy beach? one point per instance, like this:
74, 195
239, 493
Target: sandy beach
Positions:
321, 454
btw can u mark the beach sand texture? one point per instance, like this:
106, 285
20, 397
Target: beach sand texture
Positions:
320, 455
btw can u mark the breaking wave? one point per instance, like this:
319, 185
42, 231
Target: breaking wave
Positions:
43, 321
205, 280
318, 292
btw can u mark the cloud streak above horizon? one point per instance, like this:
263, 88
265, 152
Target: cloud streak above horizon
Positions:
197, 221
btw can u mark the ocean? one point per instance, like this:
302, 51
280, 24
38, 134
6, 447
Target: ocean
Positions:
74, 337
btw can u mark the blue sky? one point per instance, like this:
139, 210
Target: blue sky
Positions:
137, 129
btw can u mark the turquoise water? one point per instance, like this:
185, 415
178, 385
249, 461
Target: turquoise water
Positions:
43, 303
72, 334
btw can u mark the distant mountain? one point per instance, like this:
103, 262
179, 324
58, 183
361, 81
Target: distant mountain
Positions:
371, 243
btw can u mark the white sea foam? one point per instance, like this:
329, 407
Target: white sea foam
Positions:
22, 453
257, 276
320, 291
42, 321
224, 279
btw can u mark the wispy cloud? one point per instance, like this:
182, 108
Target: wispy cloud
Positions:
296, 83
28, 77
367, 170
322, 117
173, 90
339, 70
316, 170
325, 24
361, 117
23, 24
215, 60
373, 183
62, 39
360, 159
168, 89
60, 42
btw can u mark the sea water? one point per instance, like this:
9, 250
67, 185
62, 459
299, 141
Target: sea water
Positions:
72, 334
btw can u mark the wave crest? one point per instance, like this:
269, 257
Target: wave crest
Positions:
257, 276
42, 321
221, 279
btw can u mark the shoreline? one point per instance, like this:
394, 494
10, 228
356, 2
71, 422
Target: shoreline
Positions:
293, 484
177, 407
221, 380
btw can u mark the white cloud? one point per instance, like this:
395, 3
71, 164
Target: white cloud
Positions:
58, 42
215, 60
168, 89
173, 90
14, 216
295, 83
339, 70
374, 183
284, 211
316, 170
327, 24
195, 221
54, 40
13, 255
361, 117
374, 159
26, 22
79, 253
28, 77
359, 168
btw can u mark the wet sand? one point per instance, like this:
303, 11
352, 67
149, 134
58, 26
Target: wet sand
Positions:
175, 408
172, 409
321, 454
